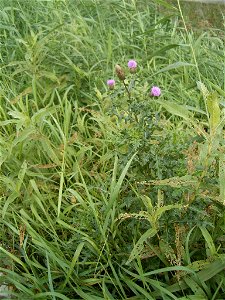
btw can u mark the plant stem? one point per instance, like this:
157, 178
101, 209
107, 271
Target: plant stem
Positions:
129, 96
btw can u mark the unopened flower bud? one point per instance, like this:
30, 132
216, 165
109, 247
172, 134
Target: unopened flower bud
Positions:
120, 72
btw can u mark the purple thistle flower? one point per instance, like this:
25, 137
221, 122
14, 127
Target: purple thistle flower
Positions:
132, 65
155, 91
111, 83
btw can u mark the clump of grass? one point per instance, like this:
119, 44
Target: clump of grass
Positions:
94, 203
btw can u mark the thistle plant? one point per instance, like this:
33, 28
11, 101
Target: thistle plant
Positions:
133, 103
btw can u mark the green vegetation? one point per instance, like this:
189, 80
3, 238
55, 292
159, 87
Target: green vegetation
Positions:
110, 194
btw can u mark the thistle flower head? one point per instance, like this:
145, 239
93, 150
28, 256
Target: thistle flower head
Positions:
155, 91
111, 83
132, 64
120, 72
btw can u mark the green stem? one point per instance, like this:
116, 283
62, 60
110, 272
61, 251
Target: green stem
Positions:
128, 93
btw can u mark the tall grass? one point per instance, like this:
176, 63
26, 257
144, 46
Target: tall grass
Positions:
80, 218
